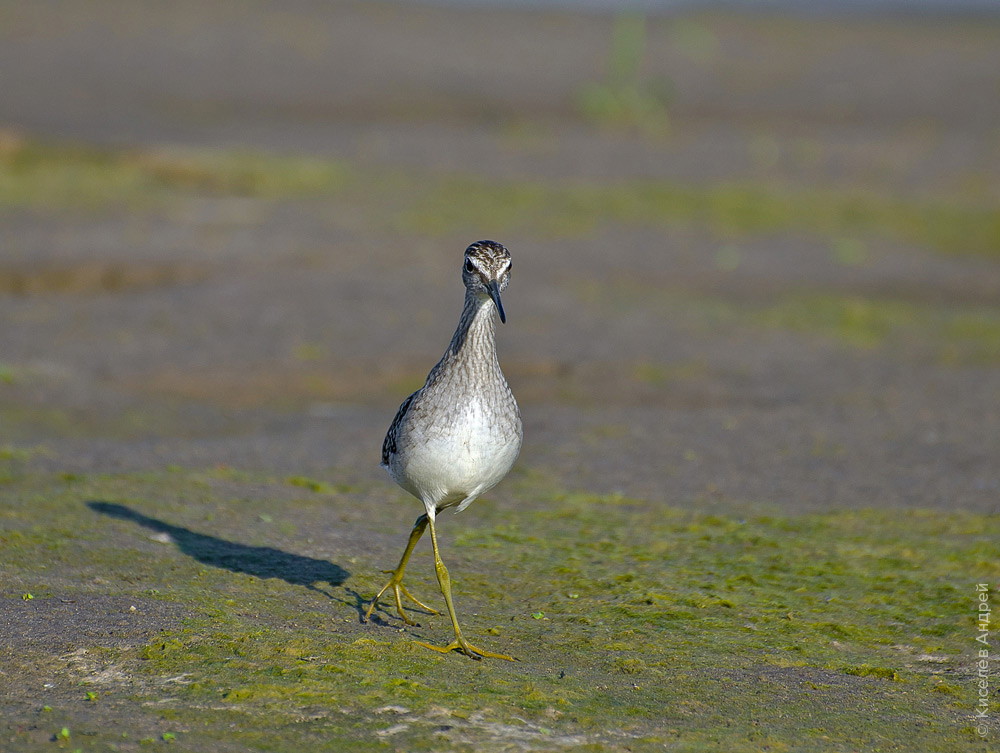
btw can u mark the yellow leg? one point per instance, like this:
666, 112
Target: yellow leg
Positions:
396, 581
459, 644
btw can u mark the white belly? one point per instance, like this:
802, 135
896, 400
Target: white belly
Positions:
453, 461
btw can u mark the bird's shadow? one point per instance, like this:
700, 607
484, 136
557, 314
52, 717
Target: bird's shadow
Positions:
259, 561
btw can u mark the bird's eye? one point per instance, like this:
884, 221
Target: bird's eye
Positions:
469, 267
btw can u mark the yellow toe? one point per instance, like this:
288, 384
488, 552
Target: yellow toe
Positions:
464, 647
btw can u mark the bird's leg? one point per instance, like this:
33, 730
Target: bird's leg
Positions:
459, 644
396, 581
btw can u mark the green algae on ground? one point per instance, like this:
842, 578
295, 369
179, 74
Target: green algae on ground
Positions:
39, 175
730, 210
951, 334
638, 624
960, 333
34, 174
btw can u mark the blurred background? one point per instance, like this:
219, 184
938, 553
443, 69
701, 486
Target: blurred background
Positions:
756, 245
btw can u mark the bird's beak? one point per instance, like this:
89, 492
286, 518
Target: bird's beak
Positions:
493, 288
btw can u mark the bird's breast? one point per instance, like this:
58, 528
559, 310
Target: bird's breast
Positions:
465, 449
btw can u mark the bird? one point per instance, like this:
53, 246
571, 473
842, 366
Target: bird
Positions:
457, 436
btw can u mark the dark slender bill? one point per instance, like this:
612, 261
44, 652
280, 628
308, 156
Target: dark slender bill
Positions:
494, 291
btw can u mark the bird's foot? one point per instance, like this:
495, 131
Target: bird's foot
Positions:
398, 590
462, 646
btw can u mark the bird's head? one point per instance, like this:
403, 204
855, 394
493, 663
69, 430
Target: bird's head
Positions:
486, 271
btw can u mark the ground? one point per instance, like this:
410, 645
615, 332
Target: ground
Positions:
753, 328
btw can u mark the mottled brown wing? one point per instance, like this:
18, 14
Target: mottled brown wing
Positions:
389, 443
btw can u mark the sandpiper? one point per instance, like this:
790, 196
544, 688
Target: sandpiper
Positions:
458, 435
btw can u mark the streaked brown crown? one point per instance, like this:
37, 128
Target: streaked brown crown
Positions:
486, 261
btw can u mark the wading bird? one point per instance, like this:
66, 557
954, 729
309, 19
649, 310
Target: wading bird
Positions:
458, 435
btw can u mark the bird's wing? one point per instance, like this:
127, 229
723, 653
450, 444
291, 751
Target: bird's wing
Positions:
389, 443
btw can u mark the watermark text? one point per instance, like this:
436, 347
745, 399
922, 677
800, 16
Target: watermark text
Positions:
981, 713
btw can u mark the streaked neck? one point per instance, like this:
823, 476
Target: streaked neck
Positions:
476, 333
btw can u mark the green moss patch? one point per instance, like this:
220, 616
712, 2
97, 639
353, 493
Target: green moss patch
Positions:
730, 210
638, 625
948, 334
34, 174
39, 175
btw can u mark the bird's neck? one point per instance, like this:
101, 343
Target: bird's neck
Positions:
475, 337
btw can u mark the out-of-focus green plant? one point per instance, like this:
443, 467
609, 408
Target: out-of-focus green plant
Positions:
624, 98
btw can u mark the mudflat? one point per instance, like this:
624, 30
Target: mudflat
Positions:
753, 328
